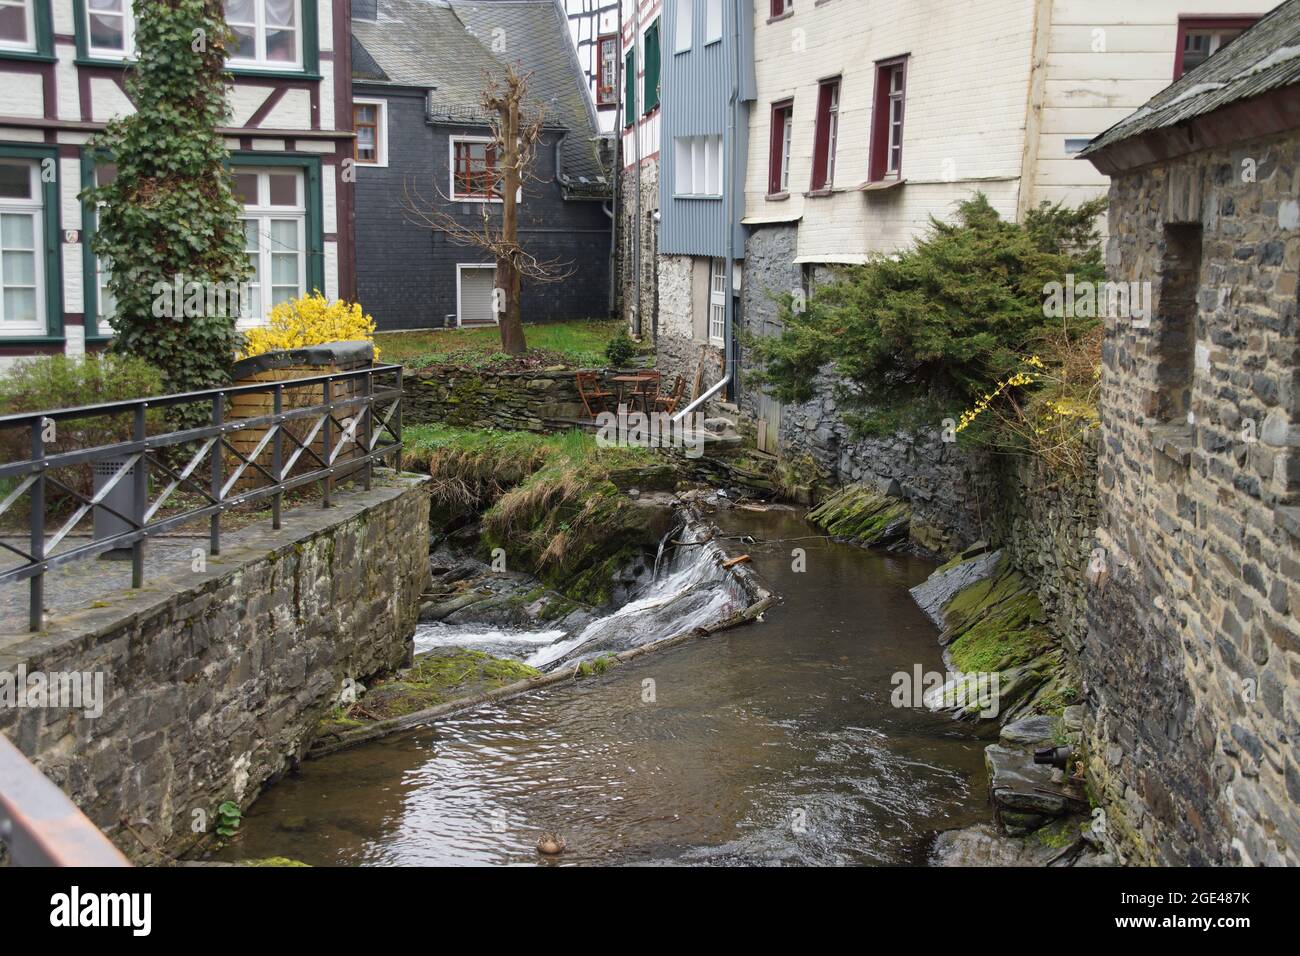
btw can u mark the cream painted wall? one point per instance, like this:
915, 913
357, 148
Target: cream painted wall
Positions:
994, 89
1105, 58
967, 84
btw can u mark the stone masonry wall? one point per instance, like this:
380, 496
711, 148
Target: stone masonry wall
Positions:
1192, 660
680, 348
627, 225
541, 400
214, 681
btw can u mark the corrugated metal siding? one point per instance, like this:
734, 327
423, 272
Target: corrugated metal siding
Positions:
695, 86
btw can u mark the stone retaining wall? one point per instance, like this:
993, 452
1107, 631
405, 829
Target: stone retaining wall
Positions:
214, 681
538, 401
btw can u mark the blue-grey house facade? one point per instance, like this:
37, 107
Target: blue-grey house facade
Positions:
424, 145
707, 86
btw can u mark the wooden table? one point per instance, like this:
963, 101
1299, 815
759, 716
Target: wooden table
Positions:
636, 380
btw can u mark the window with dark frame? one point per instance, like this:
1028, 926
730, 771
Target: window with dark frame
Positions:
778, 164
828, 121
607, 72
887, 122
1199, 38
781, 7
475, 172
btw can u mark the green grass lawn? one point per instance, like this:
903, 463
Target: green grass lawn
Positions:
573, 343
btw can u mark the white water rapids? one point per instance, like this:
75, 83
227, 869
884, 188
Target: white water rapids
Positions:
691, 590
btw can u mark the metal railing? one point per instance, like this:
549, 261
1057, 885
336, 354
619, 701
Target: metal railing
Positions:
347, 442
40, 825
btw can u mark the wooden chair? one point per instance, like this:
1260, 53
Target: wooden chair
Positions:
668, 403
592, 391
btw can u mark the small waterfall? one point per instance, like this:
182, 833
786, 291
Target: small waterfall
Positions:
690, 589
659, 555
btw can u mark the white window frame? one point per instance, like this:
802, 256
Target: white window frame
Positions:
717, 302
128, 34
712, 22
29, 14
34, 207
259, 60
683, 17
451, 167
832, 133
263, 213
102, 274
787, 135
460, 268
697, 167
381, 129
897, 117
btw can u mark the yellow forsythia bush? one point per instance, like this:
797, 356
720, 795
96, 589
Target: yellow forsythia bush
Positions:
310, 320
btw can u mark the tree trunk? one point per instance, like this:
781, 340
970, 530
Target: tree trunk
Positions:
512, 322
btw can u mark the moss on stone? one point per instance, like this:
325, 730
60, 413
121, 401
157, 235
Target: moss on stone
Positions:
440, 677
273, 861
862, 516
1010, 632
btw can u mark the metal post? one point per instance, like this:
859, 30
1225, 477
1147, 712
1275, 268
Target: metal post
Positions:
218, 451
140, 493
368, 410
277, 456
36, 593
325, 446
397, 419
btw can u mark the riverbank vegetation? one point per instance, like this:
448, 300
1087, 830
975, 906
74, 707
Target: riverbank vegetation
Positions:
956, 324
552, 503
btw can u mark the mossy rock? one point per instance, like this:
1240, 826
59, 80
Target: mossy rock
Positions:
863, 516
440, 677
273, 861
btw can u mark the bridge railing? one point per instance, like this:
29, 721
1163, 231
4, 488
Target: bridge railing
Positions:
349, 421
40, 826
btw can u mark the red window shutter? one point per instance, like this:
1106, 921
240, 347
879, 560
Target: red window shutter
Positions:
822, 139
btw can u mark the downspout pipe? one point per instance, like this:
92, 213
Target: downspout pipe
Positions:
729, 151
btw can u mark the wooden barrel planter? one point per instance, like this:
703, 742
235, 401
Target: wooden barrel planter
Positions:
283, 366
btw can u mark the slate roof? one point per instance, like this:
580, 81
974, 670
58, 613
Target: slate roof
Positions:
1266, 57
447, 47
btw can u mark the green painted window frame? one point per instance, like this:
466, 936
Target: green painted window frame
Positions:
629, 87
310, 48
50, 208
651, 67
315, 225
44, 25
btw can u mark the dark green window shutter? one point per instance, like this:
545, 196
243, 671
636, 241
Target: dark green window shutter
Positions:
629, 88
652, 66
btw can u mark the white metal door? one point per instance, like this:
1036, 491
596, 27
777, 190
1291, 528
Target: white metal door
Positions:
475, 294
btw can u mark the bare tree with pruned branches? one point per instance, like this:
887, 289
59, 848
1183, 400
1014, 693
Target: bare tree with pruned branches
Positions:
516, 129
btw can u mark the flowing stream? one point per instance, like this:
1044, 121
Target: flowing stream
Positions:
771, 743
